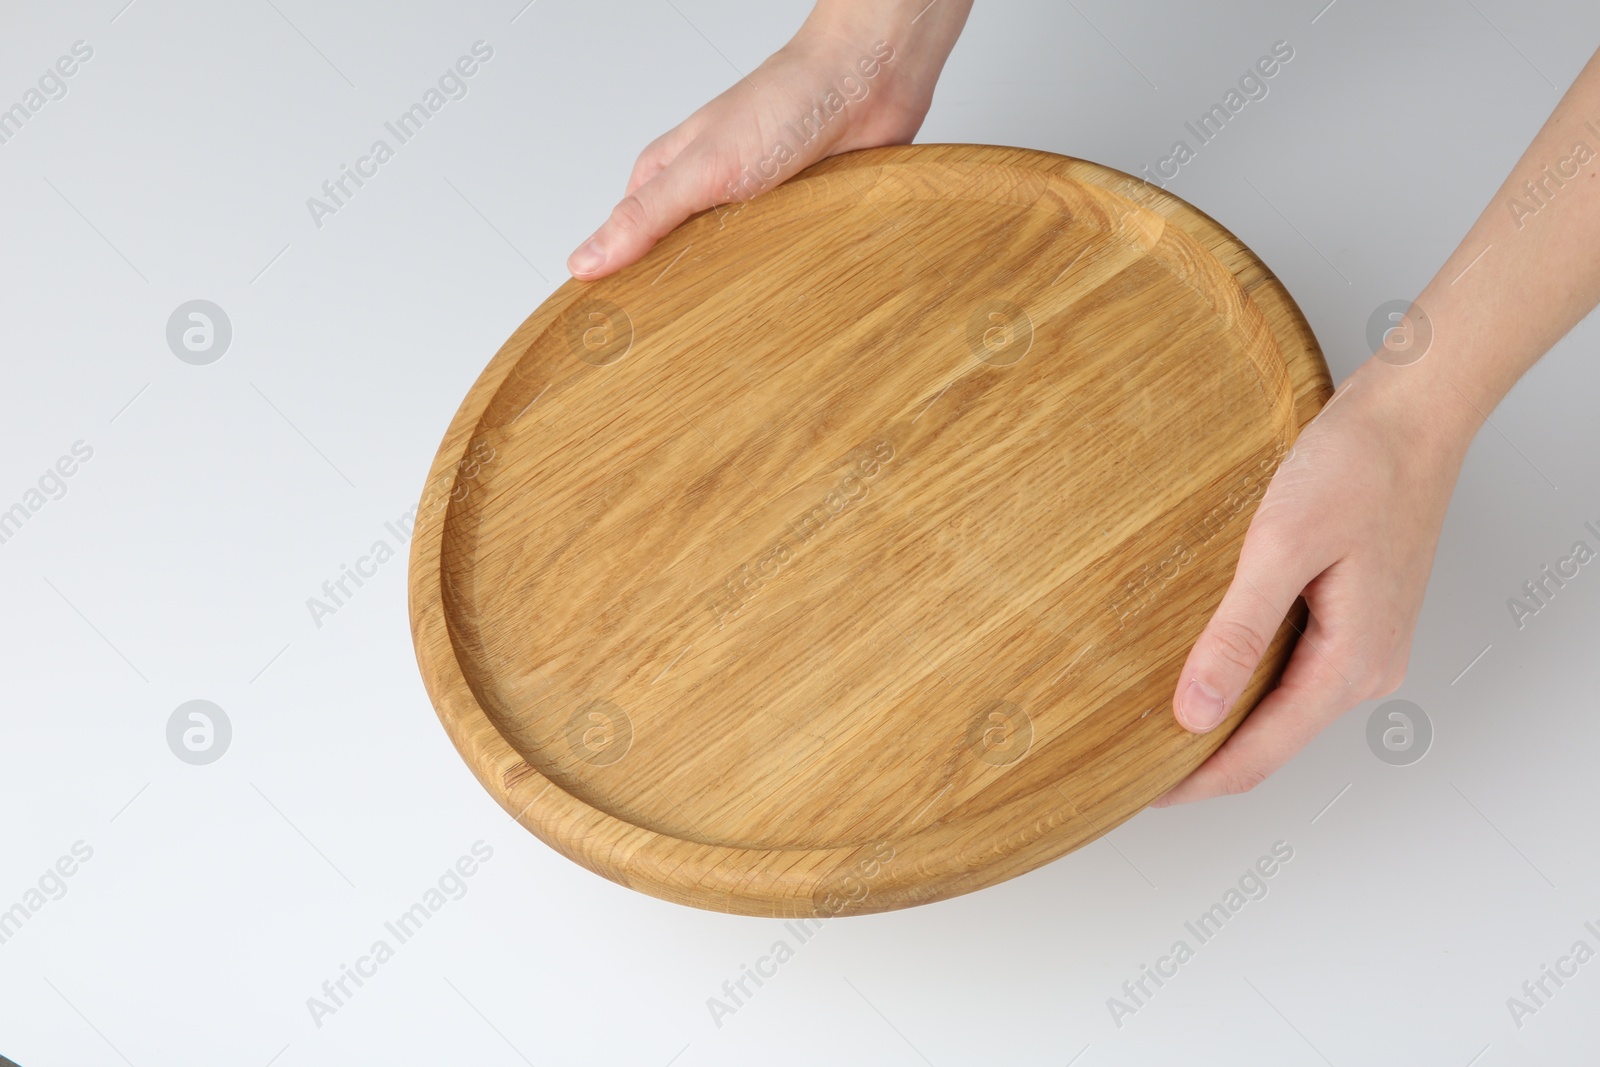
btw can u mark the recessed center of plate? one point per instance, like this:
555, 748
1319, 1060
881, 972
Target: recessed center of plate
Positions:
738, 552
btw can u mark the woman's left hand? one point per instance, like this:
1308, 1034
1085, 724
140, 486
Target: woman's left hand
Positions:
1350, 521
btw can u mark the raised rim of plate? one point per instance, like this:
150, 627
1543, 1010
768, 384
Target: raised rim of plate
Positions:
793, 882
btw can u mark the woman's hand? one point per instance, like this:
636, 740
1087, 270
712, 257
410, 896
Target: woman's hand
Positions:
1352, 518
880, 60
1350, 521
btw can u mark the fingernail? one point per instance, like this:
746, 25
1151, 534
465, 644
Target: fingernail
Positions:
1202, 706
589, 258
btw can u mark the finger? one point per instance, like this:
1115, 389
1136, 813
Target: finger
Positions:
1269, 577
645, 216
1312, 694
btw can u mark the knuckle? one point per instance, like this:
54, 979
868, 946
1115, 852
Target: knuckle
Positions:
1273, 543
1337, 677
630, 214
1243, 780
1371, 673
1288, 549
655, 150
1238, 644
1270, 537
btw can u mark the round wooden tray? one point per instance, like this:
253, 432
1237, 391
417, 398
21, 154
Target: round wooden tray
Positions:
842, 554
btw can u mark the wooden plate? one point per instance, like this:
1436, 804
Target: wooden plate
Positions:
842, 554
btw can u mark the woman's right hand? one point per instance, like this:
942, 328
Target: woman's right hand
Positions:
880, 59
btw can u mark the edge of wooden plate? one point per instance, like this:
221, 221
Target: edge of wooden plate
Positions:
813, 882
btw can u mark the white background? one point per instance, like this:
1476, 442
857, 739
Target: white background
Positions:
177, 566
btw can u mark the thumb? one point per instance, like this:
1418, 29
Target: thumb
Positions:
659, 154
1265, 584
644, 216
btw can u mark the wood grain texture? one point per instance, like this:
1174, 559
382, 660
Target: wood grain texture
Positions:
842, 554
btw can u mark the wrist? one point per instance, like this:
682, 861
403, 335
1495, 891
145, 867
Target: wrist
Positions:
1422, 411
890, 20
868, 83
899, 46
